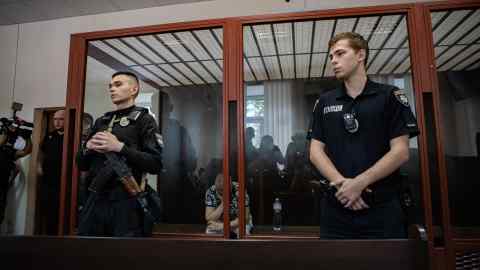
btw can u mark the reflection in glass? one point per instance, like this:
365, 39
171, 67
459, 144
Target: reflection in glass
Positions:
181, 85
457, 56
286, 69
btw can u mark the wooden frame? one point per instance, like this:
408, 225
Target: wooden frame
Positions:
75, 102
233, 74
453, 242
424, 81
414, 17
32, 192
187, 254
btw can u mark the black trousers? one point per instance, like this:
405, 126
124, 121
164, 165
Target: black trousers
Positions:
385, 220
121, 218
49, 205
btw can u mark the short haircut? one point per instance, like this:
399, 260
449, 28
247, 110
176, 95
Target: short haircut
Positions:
355, 40
87, 117
129, 74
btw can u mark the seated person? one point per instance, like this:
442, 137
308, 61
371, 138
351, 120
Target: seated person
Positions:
214, 208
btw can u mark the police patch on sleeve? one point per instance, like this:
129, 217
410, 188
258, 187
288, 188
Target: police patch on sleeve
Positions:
401, 97
159, 139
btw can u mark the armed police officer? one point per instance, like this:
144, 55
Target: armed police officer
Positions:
360, 137
130, 134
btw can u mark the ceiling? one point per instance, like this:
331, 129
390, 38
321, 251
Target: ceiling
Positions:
292, 50
24, 11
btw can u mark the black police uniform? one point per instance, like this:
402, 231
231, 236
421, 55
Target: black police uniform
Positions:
380, 113
116, 213
52, 148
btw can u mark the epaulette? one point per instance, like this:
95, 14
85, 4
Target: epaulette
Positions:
135, 114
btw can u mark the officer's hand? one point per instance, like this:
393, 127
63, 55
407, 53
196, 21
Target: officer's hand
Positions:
359, 204
93, 143
349, 192
338, 183
103, 142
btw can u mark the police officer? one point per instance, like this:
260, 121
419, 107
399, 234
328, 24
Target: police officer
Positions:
132, 133
360, 136
50, 169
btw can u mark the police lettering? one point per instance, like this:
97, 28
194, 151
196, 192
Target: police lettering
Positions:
332, 108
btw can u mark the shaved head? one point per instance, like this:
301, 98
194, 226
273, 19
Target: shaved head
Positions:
58, 120
132, 79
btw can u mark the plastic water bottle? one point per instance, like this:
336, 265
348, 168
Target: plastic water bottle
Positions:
277, 215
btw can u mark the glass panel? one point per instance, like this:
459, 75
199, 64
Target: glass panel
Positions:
457, 55
286, 69
181, 84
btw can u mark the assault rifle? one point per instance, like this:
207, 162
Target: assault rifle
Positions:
115, 166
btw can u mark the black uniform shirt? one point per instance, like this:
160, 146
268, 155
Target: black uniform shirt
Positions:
142, 149
51, 148
383, 113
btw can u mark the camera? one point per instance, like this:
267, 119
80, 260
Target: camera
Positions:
14, 127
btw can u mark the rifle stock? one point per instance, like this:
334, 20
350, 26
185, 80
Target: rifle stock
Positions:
124, 173
148, 199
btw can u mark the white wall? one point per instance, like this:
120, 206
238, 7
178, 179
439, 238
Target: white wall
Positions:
40, 71
8, 45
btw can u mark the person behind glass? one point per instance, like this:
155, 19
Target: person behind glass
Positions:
296, 162
269, 155
359, 139
214, 208
50, 170
131, 133
266, 179
180, 162
87, 122
251, 152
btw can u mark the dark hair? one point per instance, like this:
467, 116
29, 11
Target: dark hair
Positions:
130, 75
126, 73
87, 117
355, 40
